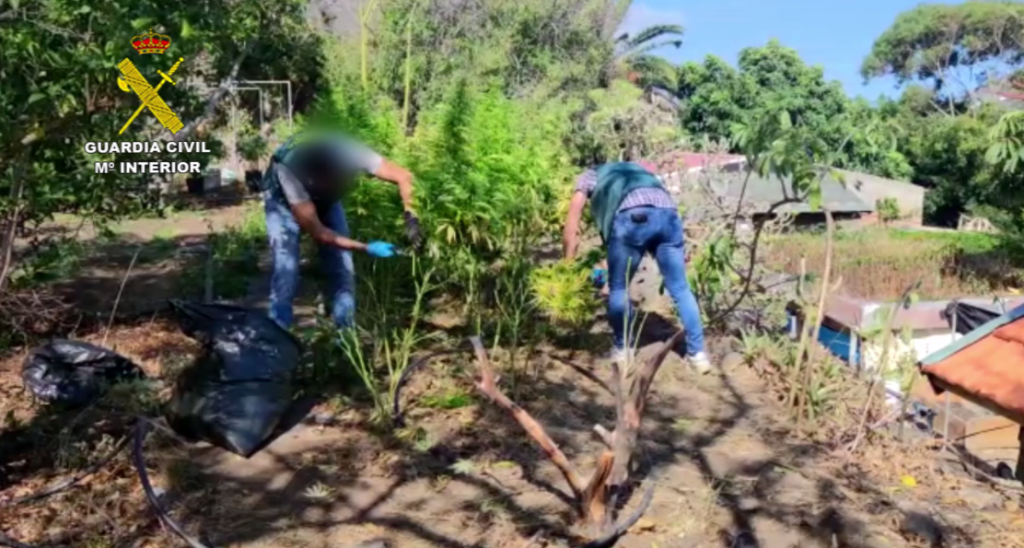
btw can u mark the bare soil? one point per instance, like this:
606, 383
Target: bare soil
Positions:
726, 469
165, 248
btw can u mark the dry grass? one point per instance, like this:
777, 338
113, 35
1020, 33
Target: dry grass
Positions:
696, 512
939, 485
880, 263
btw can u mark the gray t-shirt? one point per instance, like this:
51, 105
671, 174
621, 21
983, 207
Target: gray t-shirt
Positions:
321, 168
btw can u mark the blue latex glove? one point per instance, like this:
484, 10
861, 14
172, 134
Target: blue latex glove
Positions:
599, 276
381, 250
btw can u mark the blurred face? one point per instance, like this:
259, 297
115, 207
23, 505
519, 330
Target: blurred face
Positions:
334, 183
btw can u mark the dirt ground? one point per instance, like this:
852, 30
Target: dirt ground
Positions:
161, 249
727, 472
726, 468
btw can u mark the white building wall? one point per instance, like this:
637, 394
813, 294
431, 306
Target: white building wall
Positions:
922, 343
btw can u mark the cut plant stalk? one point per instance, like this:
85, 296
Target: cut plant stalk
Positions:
806, 379
872, 387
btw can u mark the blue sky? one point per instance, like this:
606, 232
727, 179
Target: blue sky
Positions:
836, 34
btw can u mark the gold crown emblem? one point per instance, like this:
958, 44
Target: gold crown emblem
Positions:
151, 43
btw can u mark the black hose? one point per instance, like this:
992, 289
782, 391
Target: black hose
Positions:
58, 488
141, 431
69, 483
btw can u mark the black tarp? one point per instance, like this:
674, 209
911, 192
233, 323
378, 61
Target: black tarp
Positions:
969, 316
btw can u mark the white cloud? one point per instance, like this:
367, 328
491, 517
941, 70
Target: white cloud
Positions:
642, 15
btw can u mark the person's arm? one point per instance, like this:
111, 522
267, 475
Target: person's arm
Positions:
387, 170
394, 173
307, 218
570, 235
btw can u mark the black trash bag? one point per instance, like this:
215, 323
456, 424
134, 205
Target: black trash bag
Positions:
75, 372
240, 386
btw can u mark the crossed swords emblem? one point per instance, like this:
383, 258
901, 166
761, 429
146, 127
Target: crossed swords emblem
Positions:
149, 95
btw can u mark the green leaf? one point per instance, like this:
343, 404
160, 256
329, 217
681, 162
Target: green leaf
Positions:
84, 9
785, 122
15, 4
186, 29
814, 197
36, 97
142, 23
995, 153
463, 466
839, 176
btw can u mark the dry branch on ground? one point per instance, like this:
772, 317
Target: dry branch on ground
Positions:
596, 500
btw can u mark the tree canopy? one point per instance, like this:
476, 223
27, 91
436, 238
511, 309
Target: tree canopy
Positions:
934, 41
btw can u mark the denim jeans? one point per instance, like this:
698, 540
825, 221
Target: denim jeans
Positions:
283, 232
658, 231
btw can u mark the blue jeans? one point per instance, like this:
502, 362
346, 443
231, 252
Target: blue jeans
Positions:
658, 231
283, 232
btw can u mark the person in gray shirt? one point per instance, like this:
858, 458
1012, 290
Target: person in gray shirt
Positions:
302, 189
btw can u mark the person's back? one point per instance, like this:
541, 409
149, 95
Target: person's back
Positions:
615, 182
636, 215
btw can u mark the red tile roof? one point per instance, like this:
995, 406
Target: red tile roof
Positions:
988, 371
678, 160
1011, 95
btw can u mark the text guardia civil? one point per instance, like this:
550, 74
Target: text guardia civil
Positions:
148, 165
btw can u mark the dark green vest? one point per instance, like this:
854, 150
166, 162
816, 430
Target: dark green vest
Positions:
614, 182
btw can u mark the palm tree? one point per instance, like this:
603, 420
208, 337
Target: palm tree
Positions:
632, 56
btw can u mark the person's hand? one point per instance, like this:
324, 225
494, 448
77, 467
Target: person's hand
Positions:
380, 250
412, 230
598, 277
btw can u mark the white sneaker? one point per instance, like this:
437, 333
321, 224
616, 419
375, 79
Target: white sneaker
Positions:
700, 363
621, 356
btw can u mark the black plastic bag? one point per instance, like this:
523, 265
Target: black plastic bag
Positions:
240, 386
74, 372
968, 317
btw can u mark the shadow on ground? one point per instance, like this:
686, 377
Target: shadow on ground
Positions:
469, 477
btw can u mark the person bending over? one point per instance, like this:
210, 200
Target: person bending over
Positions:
636, 215
302, 191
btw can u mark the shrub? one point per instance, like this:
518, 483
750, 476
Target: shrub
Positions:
888, 210
488, 167
235, 257
564, 293
487, 170
252, 146
381, 349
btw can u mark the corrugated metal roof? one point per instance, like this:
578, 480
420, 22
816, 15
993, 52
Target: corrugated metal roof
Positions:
683, 160
765, 191
863, 314
855, 179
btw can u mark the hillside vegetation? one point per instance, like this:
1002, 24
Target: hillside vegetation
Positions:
879, 264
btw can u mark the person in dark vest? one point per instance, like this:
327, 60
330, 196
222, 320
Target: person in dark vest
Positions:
636, 215
302, 190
